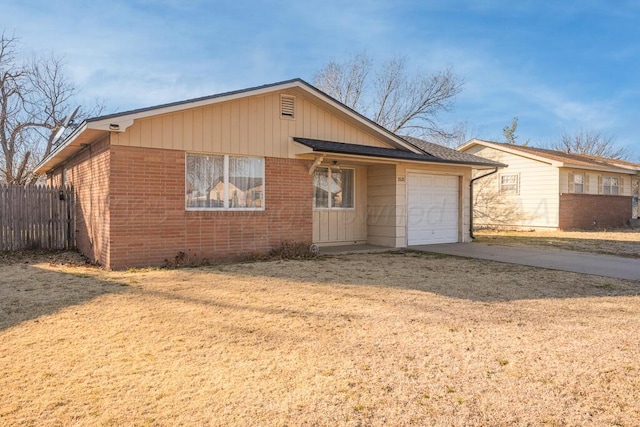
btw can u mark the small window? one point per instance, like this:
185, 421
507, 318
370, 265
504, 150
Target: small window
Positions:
224, 182
333, 188
578, 183
610, 185
509, 183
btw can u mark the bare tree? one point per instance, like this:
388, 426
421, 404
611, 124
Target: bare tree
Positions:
345, 81
399, 101
34, 101
494, 210
458, 134
592, 143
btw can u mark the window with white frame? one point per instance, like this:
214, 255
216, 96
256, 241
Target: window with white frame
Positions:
333, 188
509, 183
610, 185
218, 182
578, 183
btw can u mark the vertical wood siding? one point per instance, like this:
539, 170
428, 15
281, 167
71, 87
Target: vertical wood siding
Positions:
246, 126
382, 213
344, 225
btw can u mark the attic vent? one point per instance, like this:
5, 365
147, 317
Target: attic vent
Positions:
287, 106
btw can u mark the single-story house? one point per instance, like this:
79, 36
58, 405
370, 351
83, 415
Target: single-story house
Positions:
238, 173
549, 189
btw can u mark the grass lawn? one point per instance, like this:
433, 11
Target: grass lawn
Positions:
625, 243
359, 340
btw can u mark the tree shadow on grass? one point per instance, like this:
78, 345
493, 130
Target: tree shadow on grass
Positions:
28, 292
621, 248
450, 276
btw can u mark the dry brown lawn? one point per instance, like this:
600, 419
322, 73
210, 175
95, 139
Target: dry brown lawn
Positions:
625, 243
360, 340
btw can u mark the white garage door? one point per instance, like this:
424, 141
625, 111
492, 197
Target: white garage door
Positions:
432, 202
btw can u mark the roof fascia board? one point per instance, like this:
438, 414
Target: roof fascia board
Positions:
567, 164
387, 160
67, 142
603, 169
101, 122
303, 150
513, 151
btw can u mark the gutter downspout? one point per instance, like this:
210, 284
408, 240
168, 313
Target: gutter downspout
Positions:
471, 200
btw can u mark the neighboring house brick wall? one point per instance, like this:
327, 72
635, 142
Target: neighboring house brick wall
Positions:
88, 172
149, 223
587, 211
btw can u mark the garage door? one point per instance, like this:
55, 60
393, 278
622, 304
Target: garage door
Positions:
432, 203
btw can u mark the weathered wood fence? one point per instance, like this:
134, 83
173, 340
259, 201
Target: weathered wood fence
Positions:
36, 217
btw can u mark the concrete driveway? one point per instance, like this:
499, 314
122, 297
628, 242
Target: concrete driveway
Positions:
578, 262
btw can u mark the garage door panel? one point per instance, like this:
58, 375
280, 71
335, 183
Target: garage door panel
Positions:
432, 209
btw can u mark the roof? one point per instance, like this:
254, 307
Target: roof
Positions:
407, 148
560, 158
391, 153
445, 153
91, 129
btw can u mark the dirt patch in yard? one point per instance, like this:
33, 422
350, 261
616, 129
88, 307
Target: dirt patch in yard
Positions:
378, 339
625, 243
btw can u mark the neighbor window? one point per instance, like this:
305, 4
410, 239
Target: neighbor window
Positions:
610, 185
224, 182
333, 188
578, 183
509, 183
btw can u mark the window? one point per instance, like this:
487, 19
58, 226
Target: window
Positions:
610, 185
224, 182
578, 183
333, 188
509, 183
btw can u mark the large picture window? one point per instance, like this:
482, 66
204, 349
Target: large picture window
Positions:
224, 182
333, 188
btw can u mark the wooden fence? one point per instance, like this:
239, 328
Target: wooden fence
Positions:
36, 217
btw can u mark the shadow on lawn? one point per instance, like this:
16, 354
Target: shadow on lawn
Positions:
622, 248
450, 276
28, 291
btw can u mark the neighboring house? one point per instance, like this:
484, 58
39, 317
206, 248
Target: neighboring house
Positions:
238, 173
548, 189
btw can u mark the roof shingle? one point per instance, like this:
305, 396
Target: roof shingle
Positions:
391, 153
570, 158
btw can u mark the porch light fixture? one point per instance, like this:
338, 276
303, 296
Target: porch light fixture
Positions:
114, 126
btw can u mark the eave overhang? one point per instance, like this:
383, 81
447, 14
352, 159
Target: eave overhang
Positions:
604, 167
387, 155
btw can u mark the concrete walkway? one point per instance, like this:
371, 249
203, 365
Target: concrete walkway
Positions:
578, 262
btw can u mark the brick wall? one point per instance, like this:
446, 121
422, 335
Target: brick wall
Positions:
88, 172
589, 211
149, 223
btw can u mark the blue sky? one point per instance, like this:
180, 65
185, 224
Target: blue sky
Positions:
560, 66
